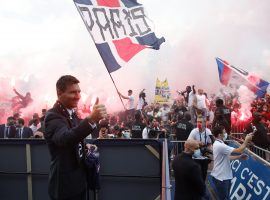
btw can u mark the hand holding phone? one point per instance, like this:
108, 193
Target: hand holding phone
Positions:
244, 157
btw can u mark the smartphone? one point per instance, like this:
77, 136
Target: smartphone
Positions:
244, 156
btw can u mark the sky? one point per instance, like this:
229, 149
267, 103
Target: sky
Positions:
42, 40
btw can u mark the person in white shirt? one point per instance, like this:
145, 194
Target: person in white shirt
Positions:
35, 126
164, 112
142, 102
130, 106
200, 103
153, 125
203, 136
222, 173
191, 95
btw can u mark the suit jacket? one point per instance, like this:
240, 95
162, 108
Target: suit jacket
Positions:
189, 184
26, 133
67, 177
12, 131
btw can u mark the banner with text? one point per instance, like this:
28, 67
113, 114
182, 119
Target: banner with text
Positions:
119, 28
251, 179
162, 91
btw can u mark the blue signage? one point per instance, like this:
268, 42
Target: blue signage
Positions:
251, 179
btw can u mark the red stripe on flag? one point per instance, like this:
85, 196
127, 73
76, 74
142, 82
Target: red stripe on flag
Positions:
108, 3
127, 49
225, 62
226, 75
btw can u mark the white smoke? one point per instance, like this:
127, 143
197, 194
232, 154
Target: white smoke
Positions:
42, 40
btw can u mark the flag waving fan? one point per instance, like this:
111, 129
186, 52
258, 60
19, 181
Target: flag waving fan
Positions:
233, 76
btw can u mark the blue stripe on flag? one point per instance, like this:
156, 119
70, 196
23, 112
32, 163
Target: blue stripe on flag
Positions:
107, 57
263, 87
220, 69
130, 3
151, 40
86, 2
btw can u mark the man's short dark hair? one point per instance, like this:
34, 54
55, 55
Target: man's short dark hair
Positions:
217, 130
21, 121
10, 118
103, 123
187, 116
137, 115
219, 102
64, 81
129, 91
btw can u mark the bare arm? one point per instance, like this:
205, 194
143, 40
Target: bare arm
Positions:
193, 89
244, 145
124, 97
21, 96
235, 157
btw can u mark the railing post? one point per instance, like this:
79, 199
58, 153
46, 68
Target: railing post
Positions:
29, 170
166, 185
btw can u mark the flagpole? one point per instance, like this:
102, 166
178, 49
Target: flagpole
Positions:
101, 59
115, 86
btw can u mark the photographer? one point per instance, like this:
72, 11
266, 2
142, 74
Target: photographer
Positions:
203, 135
152, 125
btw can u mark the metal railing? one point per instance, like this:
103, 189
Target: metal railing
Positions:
177, 147
262, 153
166, 185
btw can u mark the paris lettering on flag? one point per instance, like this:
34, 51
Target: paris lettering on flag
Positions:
119, 29
234, 77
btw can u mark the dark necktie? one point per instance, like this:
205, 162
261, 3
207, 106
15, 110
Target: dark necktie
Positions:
20, 131
73, 119
7, 132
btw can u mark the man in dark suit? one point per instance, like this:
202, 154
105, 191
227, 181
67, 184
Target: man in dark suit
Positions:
189, 184
8, 130
64, 134
23, 131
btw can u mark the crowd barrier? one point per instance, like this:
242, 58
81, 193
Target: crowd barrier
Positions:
166, 180
263, 154
130, 169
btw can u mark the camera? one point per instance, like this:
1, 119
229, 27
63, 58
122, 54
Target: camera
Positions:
205, 151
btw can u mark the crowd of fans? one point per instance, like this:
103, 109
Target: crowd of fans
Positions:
156, 120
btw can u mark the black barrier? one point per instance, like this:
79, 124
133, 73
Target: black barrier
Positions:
24, 169
130, 169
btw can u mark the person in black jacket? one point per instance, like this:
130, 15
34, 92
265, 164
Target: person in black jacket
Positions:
8, 130
260, 131
189, 184
64, 134
137, 126
23, 131
222, 116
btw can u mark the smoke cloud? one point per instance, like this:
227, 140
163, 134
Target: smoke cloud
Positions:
42, 40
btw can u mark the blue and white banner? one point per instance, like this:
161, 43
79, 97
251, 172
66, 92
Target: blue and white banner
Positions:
251, 179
